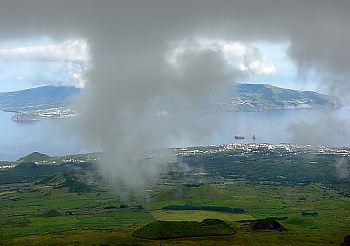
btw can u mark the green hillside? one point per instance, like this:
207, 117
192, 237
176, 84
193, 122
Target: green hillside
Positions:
203, 192
34, 157
73, 181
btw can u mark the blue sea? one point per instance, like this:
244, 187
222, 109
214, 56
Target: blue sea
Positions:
305, 126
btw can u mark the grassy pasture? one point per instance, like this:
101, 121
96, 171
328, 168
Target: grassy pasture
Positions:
333, 210
43, 198
12, 227
197, 215
280, 201
21, 207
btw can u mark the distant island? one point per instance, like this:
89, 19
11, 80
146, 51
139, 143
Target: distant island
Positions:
55, 101
258, 97
39, 103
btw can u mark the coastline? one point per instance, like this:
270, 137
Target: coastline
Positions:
59, 113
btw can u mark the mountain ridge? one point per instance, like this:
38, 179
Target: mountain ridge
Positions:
258, 97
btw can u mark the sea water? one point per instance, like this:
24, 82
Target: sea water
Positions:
50, 136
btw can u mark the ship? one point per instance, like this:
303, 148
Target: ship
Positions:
254, 137
239, 137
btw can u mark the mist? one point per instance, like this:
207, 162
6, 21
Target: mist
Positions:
342, 168
129, 45
326, 129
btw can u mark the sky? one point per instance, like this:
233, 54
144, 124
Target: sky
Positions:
126, 54
29, 63
37, 62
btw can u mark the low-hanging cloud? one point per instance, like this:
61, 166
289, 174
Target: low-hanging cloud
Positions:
325, 129
128, 42
123, 120
342, 168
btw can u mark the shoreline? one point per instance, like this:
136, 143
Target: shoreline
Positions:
36, 116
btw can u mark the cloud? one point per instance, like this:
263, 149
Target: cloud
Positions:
238, 55
63, 63
20, 78
342, 168
325, 129
68, 51
247, 59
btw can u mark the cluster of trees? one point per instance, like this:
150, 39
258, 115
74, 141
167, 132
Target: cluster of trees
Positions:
207, 208
309, 213
177, 229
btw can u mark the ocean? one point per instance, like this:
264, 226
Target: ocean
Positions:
304, 126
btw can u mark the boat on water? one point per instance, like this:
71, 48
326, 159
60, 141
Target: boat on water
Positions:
239, 137
254, 137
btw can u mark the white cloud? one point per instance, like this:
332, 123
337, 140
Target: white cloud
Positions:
77, 73
234, 53
248, 59
238, 55
66, 62
21, 78
70, 50
260, 69
176, 56
48, 63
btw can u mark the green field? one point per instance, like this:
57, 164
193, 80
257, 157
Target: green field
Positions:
198, 215
23, 217
54, 205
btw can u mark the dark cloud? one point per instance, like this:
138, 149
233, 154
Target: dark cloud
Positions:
128, 40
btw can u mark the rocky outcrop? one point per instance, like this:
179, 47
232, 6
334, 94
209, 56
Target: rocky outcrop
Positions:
267, 225
346, 241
